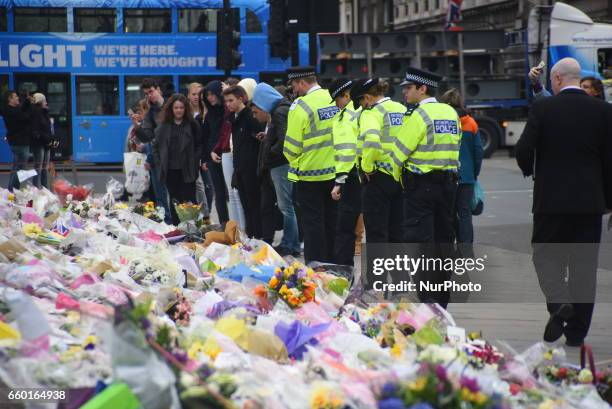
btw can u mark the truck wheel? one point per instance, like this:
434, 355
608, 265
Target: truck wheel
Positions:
490, 135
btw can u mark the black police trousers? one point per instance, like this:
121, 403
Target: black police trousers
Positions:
428, 219
349, 209
382, 209
319, 212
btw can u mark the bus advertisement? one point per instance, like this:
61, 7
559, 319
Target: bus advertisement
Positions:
90, 58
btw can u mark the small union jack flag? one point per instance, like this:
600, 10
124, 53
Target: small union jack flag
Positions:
59, 228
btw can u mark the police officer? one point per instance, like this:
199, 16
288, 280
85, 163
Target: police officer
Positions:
379, 125
347, 189
427, 152
309, 148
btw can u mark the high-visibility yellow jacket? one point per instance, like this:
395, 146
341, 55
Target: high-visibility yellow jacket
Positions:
379, 127
428, 140
345, 133
308, 146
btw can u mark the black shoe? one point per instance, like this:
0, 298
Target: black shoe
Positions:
296, 253
574, 343
282, 251
554, 327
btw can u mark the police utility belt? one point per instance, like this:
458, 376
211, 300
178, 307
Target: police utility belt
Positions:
435, 176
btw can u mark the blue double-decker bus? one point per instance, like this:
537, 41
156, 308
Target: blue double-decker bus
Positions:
89, 57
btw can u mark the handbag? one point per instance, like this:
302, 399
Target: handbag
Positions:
477, 200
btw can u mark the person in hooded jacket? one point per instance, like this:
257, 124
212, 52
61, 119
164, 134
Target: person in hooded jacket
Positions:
470, 158
245, 148
271, 108
213, 127
18, 132
43, 139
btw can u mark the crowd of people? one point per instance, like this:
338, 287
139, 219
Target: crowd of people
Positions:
327, 166
29, 131
297, 163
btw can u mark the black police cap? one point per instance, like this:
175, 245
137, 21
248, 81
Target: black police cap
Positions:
339, 86
421, 77
295, 73
361, 87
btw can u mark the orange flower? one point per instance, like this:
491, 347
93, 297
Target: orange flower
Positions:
260, 291
273, 283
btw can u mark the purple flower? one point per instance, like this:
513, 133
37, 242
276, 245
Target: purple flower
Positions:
441, 373
389, 389
391, 403
180, 356
421, 406
205, 371
470, 384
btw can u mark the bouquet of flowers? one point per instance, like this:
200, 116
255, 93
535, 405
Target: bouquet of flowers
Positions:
143, 273
187, 211
293, 284
79, 208
149, 211
68, 192
434, 388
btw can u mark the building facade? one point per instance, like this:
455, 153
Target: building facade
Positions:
416, 15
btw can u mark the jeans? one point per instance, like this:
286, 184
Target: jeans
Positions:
209, 192
42, 155
221, 191
284, 199
201, 196
463, 213
20, 159
236, 212
161, 194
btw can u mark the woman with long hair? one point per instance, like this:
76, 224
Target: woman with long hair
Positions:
177, 149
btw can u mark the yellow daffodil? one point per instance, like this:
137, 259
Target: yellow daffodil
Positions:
418, 385
547, 404
196, 349
91, 339
31, 229
397, 351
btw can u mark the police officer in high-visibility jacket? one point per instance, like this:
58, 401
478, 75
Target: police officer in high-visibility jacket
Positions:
379, 126
309, 148
427, 152
347, 189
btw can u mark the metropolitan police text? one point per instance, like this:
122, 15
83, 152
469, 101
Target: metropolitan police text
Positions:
410, 265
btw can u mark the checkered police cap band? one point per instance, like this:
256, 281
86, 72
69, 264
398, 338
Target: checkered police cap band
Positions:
418, 79
344, 87
303, 74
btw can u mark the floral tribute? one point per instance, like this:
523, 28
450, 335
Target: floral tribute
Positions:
294, 284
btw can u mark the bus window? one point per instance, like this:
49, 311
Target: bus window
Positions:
253, 25
133, 93
147, 20
185, 80
2, 18
604, 59
3, 88
198, 20
94, 20
97, 95
40, 20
